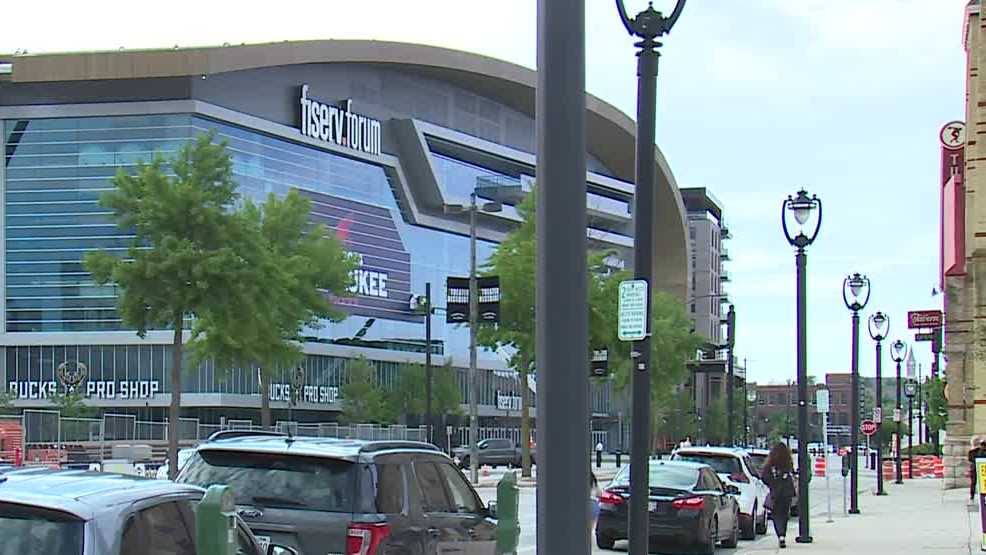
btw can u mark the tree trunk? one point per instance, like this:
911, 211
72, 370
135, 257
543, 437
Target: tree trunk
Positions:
174, 411
525, 419
265, 416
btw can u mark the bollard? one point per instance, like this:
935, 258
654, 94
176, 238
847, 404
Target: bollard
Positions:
618, 455
599, 458
216, 522
507, 514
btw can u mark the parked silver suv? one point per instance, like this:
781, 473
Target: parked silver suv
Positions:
74, 512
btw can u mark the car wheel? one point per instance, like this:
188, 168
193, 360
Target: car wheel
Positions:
604, 542
748, 526
761, 527
733, 538
708, 547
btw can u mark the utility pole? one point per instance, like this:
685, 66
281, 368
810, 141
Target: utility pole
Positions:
429, 419
562, 326
730, 376
473, 323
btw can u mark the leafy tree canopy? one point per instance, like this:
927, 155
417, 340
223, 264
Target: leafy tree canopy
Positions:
363, 401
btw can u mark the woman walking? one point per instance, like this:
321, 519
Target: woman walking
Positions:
778, 474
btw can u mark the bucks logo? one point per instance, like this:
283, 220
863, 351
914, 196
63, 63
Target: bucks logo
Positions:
71, 373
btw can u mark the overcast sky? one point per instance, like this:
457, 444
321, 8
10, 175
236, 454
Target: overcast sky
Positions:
756, 99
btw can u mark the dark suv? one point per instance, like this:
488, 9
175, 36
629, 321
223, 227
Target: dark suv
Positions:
319, 495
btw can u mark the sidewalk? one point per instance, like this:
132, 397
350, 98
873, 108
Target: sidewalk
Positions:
604, 475
916, 517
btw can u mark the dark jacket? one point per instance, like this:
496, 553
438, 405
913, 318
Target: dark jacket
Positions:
977, 453
780, 482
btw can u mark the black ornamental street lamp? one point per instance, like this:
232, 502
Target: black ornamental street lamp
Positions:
855, 286
801, 206
878, 325
910, 389
649, 25
751, 399
898, 350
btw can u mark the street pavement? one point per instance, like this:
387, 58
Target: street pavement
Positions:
916, 517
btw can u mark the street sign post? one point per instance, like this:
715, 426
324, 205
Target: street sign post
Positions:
632, 324
924, 319
867, 427
878, 415
822, 400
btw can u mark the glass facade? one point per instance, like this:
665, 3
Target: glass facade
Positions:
55, 172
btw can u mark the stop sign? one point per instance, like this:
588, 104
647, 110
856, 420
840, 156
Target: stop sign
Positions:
868, 427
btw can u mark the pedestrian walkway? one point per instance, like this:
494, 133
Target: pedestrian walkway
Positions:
916, 517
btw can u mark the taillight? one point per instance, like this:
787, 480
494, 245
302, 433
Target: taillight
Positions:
689, 503
609, 498
739, 477
364, 539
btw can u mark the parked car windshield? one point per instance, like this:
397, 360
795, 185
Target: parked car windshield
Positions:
722, 464
29, 530
662, 476
276, 480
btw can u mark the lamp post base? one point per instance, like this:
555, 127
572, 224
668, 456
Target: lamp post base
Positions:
880, 493
854, 511
804, 539
899, 482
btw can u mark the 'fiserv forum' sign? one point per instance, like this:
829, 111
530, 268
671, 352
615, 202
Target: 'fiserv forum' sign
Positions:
338, 125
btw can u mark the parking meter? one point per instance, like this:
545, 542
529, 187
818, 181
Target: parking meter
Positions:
215, 521
845, 465
507, 514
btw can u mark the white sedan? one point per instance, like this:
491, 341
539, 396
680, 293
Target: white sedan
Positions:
733, 465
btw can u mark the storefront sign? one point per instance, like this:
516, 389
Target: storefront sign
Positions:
368, 283
318, 394
917, 319
338, 125
94, 389
507, 402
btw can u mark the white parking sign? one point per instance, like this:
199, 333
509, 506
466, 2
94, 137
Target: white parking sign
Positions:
632, 324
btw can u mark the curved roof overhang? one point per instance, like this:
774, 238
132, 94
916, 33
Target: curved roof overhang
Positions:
610, 134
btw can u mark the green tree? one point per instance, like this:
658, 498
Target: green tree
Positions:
363, 400
408, 397
937, 413
71, 403
673, 343
782, 425
296, 273
187, 259
514, 261
6, 401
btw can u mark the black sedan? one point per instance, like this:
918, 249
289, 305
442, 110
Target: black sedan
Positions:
689, 506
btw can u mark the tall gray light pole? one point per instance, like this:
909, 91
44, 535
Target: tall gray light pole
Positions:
429, 420
649, 25
730, 375
473, 383
801, 207
854, 286
877, 325
562, 318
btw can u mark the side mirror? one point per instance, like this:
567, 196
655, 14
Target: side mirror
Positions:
491, 508
280, 550
482, 446
731, 489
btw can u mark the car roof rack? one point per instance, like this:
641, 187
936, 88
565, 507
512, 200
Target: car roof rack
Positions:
385, 445
230, 434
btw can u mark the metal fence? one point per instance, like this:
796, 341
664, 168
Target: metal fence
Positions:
46, 427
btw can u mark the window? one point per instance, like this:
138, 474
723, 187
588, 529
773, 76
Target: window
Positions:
35, 531
390, 488
286, 482
433, 498
165, 529
463, 497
